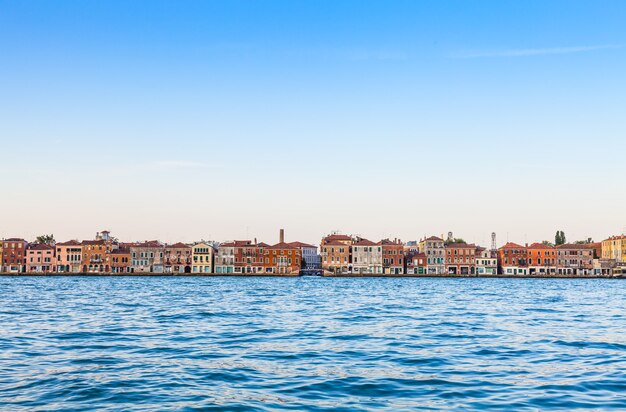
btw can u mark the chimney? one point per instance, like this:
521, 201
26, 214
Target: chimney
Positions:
282, 236
255, 241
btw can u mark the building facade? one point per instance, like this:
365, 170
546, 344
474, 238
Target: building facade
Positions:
486, 262
393, 257
512, 259
225, 258
147, 257
416, 263
541, 259
282, 259
202, 255
367, 257
69, 256
14, 255
614, 248
434, 249
575, 259
460, 259
177, 258
121, 261
336, 257
96, 256
250, 256
40, 258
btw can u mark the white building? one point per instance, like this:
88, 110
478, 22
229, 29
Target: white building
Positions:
367, 257
486, 263
225, 258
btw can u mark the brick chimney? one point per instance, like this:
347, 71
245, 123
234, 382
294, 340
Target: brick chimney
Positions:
282, 236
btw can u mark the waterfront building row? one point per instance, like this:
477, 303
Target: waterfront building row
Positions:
338, 254
107, 255
343, 254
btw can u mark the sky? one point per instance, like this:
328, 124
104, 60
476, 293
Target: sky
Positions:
231, 119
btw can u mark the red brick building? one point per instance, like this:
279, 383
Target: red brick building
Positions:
393, 256
249, 256
460, 259
14, 255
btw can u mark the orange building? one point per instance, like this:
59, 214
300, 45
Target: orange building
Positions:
336, 256
96, 256
335, 237
460, 259
120, 261
541, 259
282, 258
335, 251
512, 259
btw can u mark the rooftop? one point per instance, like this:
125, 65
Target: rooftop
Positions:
511, 245
301, 244
283, 245
540, 246
364, 242
179, 245
40, 246
70, 243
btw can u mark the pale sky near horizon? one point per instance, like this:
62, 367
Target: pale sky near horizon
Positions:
231, 119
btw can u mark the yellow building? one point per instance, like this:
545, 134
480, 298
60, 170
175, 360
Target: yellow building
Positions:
614, 248
202, 258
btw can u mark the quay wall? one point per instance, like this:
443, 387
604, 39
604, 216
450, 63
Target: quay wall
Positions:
347, 275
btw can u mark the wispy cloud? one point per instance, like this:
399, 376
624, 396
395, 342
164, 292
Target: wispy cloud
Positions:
159, 166
474, 54
175, 164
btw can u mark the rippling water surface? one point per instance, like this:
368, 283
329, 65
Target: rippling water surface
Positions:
69, 343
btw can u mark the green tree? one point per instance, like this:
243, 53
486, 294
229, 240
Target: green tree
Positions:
547, 243
46, 239
559, 238
302, 263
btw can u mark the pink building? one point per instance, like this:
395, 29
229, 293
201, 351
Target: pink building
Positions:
40, 258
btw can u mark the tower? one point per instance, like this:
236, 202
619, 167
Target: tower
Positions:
493, 242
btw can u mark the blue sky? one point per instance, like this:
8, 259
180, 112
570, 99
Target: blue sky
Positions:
198, 119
